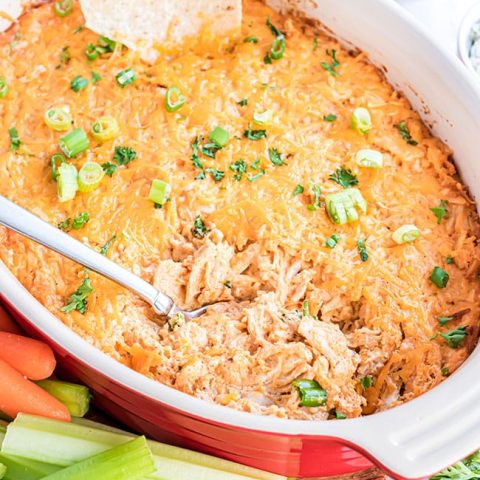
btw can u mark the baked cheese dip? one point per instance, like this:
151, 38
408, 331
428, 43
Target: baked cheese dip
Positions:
275, 172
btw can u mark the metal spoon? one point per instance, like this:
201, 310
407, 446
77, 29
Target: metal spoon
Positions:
22, 221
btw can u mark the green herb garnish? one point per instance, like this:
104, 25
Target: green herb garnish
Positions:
78, 83
331, 67
441, 211
15, 141
78, 299
239, 167
298, 190
243, 102
362, 250
439, 277
344, 177
199, 229
310, 392
366, 382
330, 117
317, 191
106, 247
250, 39
124, 155
405, 133
275, 157
252, 134
332, 241
454, 337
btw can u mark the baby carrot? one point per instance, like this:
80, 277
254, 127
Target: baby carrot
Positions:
31, 358
7, 324
17, 394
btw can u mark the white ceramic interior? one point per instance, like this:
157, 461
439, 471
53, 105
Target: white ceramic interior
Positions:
437, 429
464, 35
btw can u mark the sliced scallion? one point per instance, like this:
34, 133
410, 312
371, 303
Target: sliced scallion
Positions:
263, 118
91, 52
3, 87
63, 8
104, 129
126, 77
219, 136
342, 206
174, 99
332, 241
310, 392
159, 192
361, 120
439, 277
55, 160
74, 143
369, 158
406, 234
278, 47
58, 119
90, 177
67, 182
78, 83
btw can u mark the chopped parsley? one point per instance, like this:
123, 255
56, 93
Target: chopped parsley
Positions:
299, 189
65, 57
78, 29
332, 66
197, 163
124, 155
330, 117
78, 299
239, 167
243, 102
455, 337
96, 77
332, 241
317, 191
344, 177
80, 220
217, 175
275, 157
109, 168
210, 149
445, 371
78, 83
441, 211
468, 469
106, 247
250, 39
405, 133
362, 250
15, 141
199, 229
253, 178
366, 382
444, 320
252, 134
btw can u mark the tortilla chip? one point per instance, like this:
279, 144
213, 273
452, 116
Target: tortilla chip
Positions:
10, 10
141, 24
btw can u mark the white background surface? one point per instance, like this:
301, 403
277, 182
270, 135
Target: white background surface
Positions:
442, 17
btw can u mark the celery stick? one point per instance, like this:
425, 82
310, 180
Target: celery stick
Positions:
3, 470
62, 443
75, 397
129, 461
25, 469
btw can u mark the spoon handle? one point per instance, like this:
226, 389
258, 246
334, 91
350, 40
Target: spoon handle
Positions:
22, 221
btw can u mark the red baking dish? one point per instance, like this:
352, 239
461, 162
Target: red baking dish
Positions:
411, 441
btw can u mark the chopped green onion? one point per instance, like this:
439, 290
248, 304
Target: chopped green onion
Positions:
216, 174
219, 136
263, 118
331, 68
310, 392
91, 52
454, 337
340, 415
330, 117
406, 234
96, 77
174, 99
58, 119
278, 48
78, 83
369, 158
199, 229
55, 160
317, 192
332, 241
366, 382
65, 57
104, 129
254, 178
445, 371
128, 461
439, 277
449, 260
243, 102
75, 397
74, 143
254, 134
3, 87
78, 299
344, 177
67, 182
441, 211
126, 77
342, 206
444, 320
405, 133
90, 177
361, 120
63, 8
250, 39
15, 141
299, 189
105, 45
362, 250
159, 191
